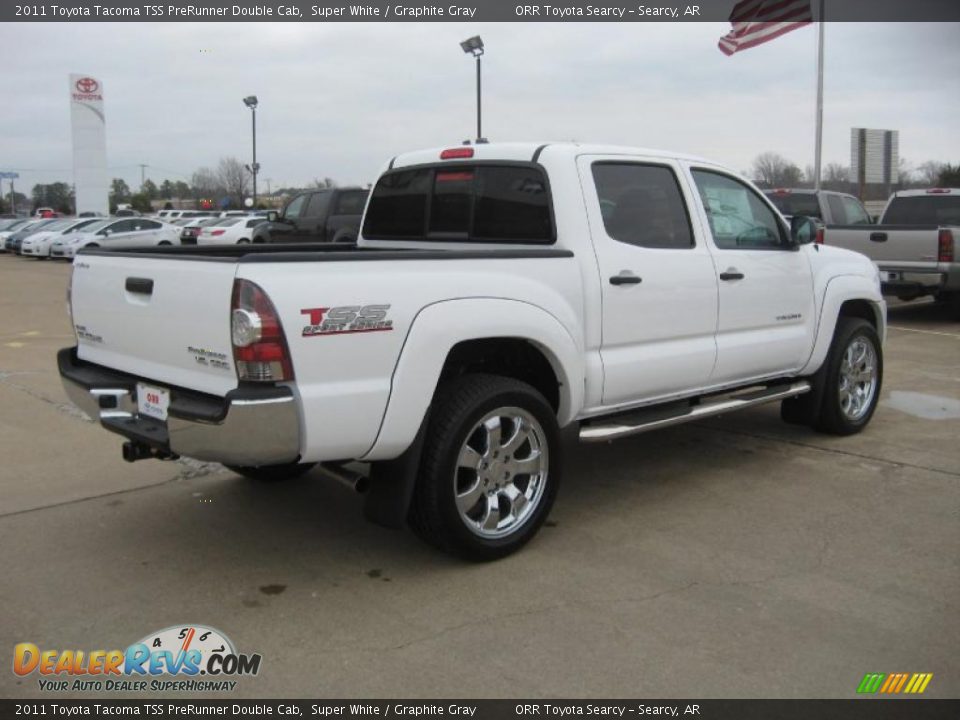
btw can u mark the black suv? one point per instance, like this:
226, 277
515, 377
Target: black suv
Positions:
330, 215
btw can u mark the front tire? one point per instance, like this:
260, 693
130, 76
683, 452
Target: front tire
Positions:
490, 469
854, 374
272, 473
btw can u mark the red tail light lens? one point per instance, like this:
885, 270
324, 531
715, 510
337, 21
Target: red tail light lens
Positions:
259, 345
457, 153
945, 246
819, 237
217, 232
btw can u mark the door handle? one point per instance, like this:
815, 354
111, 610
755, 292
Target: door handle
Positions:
878, 237
731, 274
625, 278
142, 286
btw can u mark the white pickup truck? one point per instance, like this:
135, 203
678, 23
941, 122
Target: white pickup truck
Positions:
496, 294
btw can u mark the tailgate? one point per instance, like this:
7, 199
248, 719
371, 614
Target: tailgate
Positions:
888, 244
162, 319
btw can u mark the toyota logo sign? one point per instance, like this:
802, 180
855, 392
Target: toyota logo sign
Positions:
87, 85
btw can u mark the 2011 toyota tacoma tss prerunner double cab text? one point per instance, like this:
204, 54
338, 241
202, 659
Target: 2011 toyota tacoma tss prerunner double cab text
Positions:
496, 294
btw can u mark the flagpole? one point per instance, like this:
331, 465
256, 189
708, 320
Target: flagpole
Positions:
819, 138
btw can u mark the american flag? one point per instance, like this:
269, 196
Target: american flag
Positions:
757, 21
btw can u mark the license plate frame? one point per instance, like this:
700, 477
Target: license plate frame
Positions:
153, 401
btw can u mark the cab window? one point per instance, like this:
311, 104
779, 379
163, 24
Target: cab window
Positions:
642, 205
295, 207
739, 219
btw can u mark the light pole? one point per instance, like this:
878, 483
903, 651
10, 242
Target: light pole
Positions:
251, 102
474, 46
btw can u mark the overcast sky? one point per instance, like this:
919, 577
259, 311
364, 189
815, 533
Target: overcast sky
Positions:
337, 100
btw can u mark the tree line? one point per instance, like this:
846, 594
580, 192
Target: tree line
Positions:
225, 186
771, 170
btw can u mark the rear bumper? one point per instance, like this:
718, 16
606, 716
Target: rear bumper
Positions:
900, 281
250, 426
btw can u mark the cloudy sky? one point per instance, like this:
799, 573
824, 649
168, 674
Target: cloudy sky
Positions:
337, 100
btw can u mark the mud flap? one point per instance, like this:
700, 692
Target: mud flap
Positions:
805, 409
390, 490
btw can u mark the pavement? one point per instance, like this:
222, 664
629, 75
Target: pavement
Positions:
738, 557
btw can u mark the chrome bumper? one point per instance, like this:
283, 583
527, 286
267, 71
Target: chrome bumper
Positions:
255, 426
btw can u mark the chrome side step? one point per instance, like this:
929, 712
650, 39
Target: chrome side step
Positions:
651, 419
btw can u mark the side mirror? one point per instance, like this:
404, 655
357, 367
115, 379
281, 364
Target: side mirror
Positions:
106, 232
272, 216
803, 230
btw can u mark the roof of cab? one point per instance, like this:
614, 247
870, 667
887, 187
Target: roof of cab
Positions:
526, 151
930, 192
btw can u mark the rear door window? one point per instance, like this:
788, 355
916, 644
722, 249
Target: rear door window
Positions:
856, 213
837, 211
351, 203
317, 206
642, 205
462, 202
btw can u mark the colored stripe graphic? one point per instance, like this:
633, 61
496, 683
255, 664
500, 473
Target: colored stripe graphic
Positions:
894, 683
871, 682
918, 683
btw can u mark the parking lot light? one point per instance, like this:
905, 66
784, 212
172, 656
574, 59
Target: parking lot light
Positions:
251, 102
474, 46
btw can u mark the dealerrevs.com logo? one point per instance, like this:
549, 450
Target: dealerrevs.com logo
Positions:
188, 658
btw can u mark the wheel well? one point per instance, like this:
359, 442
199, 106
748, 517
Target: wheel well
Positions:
859, 309
510, 357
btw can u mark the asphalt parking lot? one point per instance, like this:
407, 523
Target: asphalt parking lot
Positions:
739, 557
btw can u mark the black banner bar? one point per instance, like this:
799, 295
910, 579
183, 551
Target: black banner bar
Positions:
857, 709
454, 11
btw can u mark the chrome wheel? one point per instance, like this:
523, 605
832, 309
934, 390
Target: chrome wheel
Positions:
501, 472
858, 378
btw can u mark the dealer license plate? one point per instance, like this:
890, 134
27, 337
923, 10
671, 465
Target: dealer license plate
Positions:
153, 401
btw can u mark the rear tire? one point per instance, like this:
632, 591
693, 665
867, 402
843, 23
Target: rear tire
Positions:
164, 242
490, 468
952, 301
272, 473
852, 379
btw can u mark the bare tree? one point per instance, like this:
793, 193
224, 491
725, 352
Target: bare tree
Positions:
904, 172
205, 184
234, 178
773, 170
836, 173
929, 172
324, 183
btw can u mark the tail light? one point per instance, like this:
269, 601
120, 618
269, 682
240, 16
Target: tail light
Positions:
819, 237
259, 346
217, 232
945, 246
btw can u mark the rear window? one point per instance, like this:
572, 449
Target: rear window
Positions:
462, 203
796, 204
922, 210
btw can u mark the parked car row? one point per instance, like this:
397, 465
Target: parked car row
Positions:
62, 237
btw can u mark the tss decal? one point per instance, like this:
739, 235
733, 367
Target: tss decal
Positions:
346, 319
